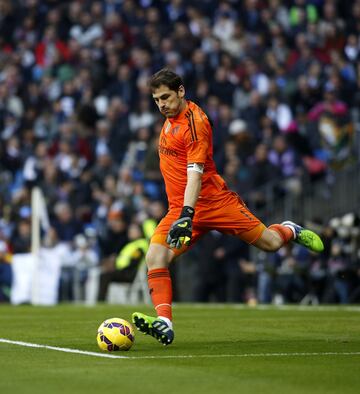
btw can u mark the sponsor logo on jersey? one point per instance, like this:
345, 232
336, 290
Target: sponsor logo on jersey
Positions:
163, 150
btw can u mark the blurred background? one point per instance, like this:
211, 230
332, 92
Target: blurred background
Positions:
80, 187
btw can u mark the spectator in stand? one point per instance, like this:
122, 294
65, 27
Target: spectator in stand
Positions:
337, 289
238, 270
87, 31
221, 135
307, 93
127, 262
243, 138
141, 116
113, 237
259, 80
65, 224
82, 259
335, 127
48, 51
302, 13
21, 238
285, 159
5, 272
123, 86
292, 274
262, 172
279, 113
210, 285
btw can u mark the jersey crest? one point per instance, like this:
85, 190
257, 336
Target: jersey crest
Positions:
175, 130
167, 128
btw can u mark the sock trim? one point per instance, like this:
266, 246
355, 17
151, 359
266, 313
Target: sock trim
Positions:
291, 228
157, 306
158, 275
281, 230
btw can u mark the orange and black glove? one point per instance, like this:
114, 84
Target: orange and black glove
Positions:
180, 232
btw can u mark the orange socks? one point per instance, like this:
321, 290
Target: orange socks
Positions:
285, 232
161, 291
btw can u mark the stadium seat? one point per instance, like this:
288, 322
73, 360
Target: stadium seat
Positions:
130, 293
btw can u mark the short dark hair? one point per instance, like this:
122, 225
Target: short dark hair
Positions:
165, 77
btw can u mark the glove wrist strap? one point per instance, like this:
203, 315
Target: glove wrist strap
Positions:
187, 212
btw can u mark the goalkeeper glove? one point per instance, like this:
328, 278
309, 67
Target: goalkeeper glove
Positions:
181, 230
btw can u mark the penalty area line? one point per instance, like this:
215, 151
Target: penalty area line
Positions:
180, 356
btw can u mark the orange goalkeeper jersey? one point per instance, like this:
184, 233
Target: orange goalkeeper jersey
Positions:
186, 139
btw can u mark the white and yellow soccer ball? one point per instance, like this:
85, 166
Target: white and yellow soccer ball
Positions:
115, 334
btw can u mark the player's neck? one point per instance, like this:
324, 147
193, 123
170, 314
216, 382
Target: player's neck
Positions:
182, 108
184, 105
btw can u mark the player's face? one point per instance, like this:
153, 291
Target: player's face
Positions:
169, 102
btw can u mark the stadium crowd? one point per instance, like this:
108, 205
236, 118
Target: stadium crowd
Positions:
280, 81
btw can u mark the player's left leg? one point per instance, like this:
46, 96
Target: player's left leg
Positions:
305, 237
272, 238
231, 216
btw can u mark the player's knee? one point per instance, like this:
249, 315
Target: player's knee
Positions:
273, 245
156, 258
269, 242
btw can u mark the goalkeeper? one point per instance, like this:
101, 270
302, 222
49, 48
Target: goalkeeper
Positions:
199, 201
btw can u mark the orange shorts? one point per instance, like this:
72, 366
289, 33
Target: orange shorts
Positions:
225, 212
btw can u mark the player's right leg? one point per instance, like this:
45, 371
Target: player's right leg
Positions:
160, 327
158, 258
155, 326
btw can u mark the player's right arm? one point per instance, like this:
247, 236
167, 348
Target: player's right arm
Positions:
197, 144
193, 185
180, 232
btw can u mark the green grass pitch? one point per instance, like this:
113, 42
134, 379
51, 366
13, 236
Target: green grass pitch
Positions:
234, 349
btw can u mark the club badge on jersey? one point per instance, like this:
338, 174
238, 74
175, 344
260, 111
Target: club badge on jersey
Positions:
167, 128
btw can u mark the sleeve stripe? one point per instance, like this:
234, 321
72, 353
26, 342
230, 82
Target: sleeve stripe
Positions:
190, 126
193, 122
190, 118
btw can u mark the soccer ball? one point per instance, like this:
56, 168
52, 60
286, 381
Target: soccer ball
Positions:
115, 334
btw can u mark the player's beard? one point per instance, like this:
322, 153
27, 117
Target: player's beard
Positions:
174, 113
169, 115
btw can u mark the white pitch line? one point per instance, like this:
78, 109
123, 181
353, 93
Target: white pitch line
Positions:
251, 355
59, 349
272, 307
105, 355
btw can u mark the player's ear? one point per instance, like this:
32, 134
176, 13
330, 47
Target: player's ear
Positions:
181, 91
